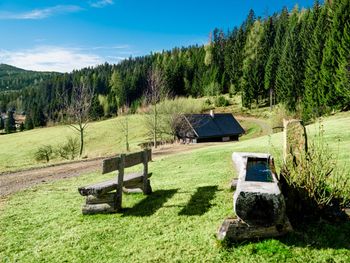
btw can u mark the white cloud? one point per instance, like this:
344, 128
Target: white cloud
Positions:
101, 3
40, 13
50, 58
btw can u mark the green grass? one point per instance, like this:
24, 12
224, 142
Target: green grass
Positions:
177, 223
102, 138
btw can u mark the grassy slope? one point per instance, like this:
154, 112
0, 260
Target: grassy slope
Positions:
17, 150
176, 223
102, 138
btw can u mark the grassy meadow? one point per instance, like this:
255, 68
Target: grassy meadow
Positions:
177, 223
101, 138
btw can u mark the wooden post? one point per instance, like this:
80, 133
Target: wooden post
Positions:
146, 188
119, 193
295, 140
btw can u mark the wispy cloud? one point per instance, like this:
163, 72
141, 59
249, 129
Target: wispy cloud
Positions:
50, 58
54, 58
101, 3
40, 13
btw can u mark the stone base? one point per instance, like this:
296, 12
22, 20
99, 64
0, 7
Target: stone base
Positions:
234, 229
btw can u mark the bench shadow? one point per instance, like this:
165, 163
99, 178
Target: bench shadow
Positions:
150, 205
199, 203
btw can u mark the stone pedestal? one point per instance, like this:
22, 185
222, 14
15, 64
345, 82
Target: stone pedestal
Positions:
258, 201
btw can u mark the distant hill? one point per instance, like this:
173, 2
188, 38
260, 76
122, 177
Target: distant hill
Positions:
12, 78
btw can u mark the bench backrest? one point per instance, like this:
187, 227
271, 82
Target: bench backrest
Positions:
115, 163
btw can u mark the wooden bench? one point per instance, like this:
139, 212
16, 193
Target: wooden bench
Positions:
106, 197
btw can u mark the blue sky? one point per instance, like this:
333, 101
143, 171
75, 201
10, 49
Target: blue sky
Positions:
66, 35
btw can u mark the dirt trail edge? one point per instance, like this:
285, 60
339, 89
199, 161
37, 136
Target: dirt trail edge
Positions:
16, 181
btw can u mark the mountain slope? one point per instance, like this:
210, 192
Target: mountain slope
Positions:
12, 78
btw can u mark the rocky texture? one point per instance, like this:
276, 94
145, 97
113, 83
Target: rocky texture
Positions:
237, 230
257, 202
295, 139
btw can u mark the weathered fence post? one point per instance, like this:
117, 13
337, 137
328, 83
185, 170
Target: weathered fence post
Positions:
119, 193
146, 184
294, 140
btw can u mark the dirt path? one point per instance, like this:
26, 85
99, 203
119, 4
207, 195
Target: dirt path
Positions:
16, 181
265, 126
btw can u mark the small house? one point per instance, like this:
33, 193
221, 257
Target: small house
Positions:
219, 127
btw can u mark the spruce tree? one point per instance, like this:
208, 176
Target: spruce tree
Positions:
28, 123
314, 100
335, 63
342, 77
289, 77
10, 123
274, 57
252, 78
2, 124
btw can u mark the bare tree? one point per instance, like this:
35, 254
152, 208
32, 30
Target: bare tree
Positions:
154, 94
78, 108
123, 125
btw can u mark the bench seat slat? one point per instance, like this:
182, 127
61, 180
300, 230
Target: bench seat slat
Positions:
98, 189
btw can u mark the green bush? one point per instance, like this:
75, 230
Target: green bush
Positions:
44, 153
221, 101
317, 174
70, 149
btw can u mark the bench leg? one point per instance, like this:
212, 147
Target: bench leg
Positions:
146, 188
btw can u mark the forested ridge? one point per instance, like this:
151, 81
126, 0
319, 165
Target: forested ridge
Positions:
300, 58
12, 78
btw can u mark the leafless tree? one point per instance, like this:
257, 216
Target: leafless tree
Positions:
123, 125
154, 94
78, 108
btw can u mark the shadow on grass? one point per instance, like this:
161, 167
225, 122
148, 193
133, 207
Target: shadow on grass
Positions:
316, 236
199, 203
320, 236
150, 204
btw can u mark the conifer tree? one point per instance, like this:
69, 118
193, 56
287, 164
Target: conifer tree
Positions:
252, 77
273, 60
2, 124
289, 77
28, 123
10, 123
334, 68
314, 101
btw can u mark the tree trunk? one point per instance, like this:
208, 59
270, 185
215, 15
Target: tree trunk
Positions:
81, 141
271, 99
155, 126
127, 134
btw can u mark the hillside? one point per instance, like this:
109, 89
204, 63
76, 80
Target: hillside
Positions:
102, 138
176, 223
12, 78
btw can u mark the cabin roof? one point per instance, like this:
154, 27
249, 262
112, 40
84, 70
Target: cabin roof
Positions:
220, 124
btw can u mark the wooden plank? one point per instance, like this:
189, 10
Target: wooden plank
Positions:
133, 159
99, 189
103, 188
110, 165
106, 198
90, 209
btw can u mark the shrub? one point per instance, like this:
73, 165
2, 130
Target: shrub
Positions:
44, 153
70, 149
314, 184
221, 101
207, 102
